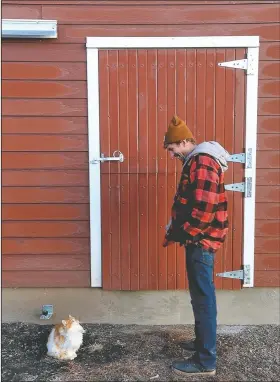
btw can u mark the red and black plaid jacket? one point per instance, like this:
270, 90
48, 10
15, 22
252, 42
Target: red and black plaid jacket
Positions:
199, 212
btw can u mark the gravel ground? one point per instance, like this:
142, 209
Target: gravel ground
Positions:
138, 353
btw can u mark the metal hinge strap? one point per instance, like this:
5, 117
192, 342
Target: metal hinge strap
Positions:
240, 187
237, 64
249, 64
242, 158
241, 274
239, 158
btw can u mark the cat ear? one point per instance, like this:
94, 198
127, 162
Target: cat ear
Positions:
63, 322
71, 318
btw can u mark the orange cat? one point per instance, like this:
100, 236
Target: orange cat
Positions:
65, 339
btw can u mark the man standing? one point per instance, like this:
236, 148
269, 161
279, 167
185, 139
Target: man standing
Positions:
199, 221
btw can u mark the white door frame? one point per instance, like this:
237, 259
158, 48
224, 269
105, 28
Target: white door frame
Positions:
93, 44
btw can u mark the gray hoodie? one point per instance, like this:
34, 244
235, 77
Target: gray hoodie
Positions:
211, 148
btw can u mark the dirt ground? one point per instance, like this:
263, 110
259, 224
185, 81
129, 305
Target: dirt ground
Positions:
138, 353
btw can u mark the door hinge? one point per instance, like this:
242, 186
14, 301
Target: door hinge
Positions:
239, 158
242, 158
241, 274
240, 187
250, 64
237, 64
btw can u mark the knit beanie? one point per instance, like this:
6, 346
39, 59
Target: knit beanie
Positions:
177, 131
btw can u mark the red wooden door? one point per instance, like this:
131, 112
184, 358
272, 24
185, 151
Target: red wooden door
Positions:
140, 90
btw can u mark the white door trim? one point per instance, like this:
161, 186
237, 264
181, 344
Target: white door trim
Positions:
251, 112
93, 45
172, 42
94, 170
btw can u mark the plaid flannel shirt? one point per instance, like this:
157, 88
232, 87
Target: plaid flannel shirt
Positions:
199, 212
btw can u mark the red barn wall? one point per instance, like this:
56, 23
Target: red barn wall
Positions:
45, 192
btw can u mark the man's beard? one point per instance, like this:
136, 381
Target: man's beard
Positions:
179, 156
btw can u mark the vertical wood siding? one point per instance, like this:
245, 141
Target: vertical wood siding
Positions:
45, 211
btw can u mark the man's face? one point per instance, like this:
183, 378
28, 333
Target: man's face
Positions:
179, 150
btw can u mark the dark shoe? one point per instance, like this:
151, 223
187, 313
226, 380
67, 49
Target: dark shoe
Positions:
189, 367
188, 345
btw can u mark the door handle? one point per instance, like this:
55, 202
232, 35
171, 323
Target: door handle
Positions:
117, 157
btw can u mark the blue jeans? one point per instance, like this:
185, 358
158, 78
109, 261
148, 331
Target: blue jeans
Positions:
200, 265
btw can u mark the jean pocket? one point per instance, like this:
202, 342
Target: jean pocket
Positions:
204, 257
208, 258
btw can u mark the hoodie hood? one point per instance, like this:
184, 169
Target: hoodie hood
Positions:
214, 149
